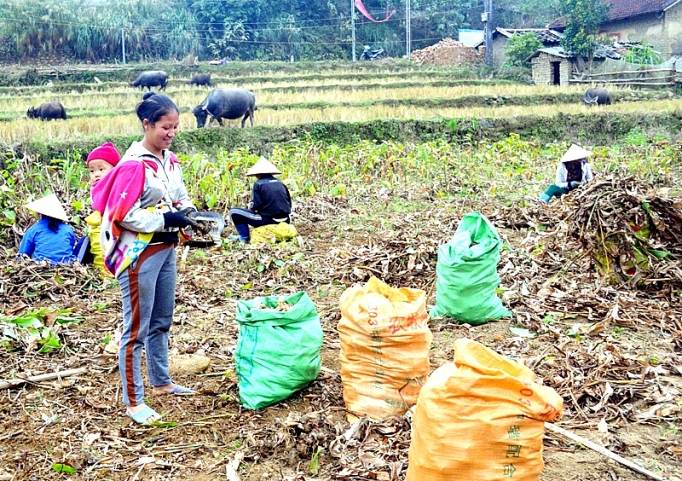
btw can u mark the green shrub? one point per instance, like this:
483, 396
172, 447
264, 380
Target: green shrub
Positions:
644, 55
520, 47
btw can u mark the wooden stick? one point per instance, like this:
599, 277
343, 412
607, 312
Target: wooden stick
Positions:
42, 377
183, 258
602, 450
626, 83
669, 69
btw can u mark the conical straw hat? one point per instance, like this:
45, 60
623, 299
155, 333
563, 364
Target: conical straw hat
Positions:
49, 206
575, 153
263, 166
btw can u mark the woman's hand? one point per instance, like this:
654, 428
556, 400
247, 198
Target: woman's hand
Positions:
179, 219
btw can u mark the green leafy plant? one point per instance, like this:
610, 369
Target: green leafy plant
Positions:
63, 468
315, 462
520, 47
583, 21
644, 55
34, 328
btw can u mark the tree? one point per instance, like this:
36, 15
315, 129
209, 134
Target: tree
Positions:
520, 47
525, 13
583, 19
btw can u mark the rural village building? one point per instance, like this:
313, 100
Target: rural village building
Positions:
656, 22
501, 36
553, 66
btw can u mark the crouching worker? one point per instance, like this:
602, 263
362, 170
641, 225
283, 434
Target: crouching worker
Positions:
572, 172
51, 238
270, 202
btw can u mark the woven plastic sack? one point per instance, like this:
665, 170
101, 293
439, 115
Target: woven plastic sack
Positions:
480, 418
278, 351
466, 273
273, 233
385, 344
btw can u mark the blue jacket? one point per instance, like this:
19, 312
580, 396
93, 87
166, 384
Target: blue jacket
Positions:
40, 243
271, 198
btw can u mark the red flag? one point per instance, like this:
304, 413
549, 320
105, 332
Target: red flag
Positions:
360, 6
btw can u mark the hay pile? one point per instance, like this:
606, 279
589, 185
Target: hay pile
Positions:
448, 52
632, 232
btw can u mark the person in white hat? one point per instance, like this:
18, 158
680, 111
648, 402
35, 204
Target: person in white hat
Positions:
572, 172
51, 238
270, 201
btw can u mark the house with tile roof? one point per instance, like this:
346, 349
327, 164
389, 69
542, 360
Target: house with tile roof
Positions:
656, 22
501, 36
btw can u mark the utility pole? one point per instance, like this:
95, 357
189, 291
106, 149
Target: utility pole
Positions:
487, 19
123, 45
408, 29
352, 23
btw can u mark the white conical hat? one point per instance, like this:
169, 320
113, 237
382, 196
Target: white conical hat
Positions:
575, 153
263, 166
49, 206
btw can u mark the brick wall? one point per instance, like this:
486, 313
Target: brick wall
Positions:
543, 70
499, 46
449, 52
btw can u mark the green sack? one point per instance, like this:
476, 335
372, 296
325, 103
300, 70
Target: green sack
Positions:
278, 352
466, 273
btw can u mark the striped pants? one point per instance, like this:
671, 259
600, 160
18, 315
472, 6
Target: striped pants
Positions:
148, 295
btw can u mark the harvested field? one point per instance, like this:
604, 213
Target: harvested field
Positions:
23, 130
608, 341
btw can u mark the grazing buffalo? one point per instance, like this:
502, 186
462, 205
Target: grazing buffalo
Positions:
201, 79
597, 96
151, 78
47, 111
226, 104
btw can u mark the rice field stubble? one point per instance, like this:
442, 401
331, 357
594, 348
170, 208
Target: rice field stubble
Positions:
24, 130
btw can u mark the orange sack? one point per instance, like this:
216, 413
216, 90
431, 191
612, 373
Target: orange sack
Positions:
385, 344
480, 418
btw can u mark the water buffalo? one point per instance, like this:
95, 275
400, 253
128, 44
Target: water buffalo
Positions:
201, 79
226, 104
597, 96
47, 111
151, 78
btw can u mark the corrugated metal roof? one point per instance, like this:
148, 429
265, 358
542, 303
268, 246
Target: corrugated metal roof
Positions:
601, 52
545, 35
622, 9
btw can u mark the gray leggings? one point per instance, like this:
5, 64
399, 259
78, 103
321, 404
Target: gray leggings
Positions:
148, 294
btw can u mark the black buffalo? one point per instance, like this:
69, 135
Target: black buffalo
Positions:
226, 104
47, 111
201, 79
151, 78
597, 96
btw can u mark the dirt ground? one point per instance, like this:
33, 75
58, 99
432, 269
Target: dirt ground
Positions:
625, 375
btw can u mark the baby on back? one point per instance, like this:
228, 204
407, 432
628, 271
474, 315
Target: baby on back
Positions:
100, 161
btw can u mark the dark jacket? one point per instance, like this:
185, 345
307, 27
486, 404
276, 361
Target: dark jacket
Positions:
271, 198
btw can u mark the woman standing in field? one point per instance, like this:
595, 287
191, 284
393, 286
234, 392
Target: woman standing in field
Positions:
143, 202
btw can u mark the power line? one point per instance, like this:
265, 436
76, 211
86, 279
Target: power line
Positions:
340, 19
64, 23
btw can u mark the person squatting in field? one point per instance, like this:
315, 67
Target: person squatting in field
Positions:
573, 171
51, 238
270, 202
143, 202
